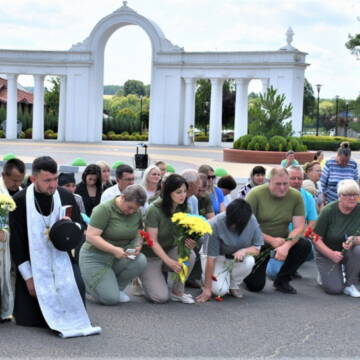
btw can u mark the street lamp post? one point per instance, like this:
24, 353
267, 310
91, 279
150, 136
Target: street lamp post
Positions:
318, 87
346, 119
206, 112
141, 127
336, 114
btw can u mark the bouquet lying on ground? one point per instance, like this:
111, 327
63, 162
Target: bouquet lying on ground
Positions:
269, 251
188, 227
7, 205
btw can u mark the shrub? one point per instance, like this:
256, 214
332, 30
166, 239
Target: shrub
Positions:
28, 133
48, 134
329, 143
201, 138
277, 143
125, 133
293, 144
2, 135
258, 142
109, 133
242, 142
104, 137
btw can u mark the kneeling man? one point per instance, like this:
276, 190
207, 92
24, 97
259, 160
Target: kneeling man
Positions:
49, 290
275, 206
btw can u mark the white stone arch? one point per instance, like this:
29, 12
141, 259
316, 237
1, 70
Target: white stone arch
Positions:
96, 43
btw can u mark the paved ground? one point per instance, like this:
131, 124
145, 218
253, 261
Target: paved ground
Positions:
269, 324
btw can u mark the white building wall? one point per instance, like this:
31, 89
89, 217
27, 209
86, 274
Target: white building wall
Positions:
82, 67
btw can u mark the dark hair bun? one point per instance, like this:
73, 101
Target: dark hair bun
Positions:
345, 145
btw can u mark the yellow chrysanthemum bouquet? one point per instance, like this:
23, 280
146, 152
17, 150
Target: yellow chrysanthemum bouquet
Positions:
188, 226
7, 204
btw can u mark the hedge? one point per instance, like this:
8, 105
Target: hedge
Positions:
276, 143
330, 143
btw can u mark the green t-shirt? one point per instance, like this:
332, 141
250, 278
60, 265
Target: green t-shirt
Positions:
205, 205
274, 214
334, 227
118, 229
156, 218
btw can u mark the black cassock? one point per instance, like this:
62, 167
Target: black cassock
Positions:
26, 308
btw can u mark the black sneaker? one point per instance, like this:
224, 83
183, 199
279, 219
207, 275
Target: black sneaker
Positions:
284, 287
297, 275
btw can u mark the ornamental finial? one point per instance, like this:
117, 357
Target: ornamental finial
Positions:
289, 36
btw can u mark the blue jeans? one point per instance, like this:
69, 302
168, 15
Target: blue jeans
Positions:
274, 266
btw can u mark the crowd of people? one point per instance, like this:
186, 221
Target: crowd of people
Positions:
67, 242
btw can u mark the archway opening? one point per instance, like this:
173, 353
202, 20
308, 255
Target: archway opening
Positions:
127, 78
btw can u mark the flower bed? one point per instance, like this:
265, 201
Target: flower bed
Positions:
263, 157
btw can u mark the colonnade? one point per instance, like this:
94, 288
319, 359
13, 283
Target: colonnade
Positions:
216, 100
38, 107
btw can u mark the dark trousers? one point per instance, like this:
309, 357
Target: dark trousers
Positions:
197, 270
296, 257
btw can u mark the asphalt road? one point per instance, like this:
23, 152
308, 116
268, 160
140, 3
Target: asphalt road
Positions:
267, 324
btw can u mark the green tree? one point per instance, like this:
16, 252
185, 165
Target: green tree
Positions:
52, 96
111, 89
353, 44
134, 87
268, 115
202, 103
309, 100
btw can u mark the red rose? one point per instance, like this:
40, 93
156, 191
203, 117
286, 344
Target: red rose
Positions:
219, 298
214, 278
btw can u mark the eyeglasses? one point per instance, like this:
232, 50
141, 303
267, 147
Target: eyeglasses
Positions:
350, 195
128, 179
211, 177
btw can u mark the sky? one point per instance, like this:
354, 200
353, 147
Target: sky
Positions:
321, 28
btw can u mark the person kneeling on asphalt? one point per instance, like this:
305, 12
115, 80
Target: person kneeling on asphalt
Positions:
230, 251
111, 256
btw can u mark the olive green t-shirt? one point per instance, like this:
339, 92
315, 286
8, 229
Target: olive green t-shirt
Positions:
118, 229
334, 227
274, 214
205, 205
156, 218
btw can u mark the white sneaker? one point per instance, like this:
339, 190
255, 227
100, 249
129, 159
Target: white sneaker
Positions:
352, 291
184, 298
123, 297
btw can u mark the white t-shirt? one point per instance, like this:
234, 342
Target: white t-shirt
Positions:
110, 193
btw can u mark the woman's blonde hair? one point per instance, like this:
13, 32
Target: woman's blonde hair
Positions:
103, 164
146, 174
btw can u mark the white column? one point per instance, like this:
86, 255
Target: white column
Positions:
241, 107
11, 107
265, 85
62, 109
38, 108
216, 112
189, 112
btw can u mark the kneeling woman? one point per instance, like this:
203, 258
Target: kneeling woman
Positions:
339, 245
111, 237
236, 235
162, 256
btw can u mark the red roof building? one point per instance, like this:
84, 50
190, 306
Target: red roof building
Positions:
23, 97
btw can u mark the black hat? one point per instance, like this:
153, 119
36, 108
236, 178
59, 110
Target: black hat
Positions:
66, 178
65, 235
